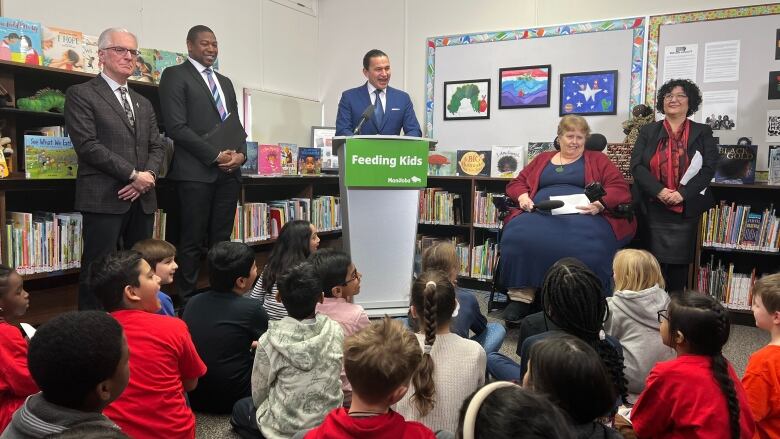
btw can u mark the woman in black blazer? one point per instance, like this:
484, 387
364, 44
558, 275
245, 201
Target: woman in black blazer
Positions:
672, 163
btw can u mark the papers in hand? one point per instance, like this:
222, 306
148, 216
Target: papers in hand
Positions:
570, 203
693, 169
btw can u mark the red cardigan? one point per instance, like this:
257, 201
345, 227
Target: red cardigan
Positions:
597, 168
16, 384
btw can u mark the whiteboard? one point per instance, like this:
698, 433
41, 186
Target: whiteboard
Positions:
273, 118
756, 59
584, 47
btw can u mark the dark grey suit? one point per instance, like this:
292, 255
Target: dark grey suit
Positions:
207, 195
108, 150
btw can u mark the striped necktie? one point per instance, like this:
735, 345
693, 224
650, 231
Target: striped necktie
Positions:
215, 94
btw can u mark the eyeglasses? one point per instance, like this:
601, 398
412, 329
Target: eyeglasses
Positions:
679, 97
662, 315
355, 276
121, 51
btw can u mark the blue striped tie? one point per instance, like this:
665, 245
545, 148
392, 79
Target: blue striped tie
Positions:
215, 94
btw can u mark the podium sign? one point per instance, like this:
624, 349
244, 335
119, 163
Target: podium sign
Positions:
389, 163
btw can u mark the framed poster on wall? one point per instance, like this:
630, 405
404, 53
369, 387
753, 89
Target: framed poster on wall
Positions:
464, 100
524, 87
588, 93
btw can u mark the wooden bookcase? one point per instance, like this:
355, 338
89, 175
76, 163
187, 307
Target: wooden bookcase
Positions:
52, 293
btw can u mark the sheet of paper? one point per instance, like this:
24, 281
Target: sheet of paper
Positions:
693, 168
721, 61
680, 62
719, 109
570, 203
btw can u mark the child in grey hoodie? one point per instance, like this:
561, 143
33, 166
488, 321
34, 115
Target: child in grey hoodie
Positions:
295, 377
633, 315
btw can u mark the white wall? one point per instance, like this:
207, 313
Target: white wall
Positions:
250, 54
424, 19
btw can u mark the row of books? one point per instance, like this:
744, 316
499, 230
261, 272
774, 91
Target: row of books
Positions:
287, 159
734, 226
255, 222
477, 262
42, 241
326, 213
499, 161
462, 250
438, 206
484, 258
160, 221
485, 212
733, 290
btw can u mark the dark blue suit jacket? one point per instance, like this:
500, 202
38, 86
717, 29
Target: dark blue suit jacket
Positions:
398, 114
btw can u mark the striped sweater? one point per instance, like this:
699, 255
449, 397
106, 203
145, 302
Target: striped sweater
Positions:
275, 309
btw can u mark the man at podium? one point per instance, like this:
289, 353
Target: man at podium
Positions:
392, 108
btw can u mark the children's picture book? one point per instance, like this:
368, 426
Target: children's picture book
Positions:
736, 164
49, 157
309, 161
89, 54
507, 161
144, 66
62, 49
289, 158
471, 162
3, 166
329, 159
164, 59
774, 164
269, 160
536, 148
442, 163
250, 165
20, 41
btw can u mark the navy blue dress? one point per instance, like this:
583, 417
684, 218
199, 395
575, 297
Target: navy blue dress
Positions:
533, 241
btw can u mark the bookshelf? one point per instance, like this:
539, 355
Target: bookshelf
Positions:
725, 240
54, 292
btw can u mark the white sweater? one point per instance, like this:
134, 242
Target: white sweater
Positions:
459, 370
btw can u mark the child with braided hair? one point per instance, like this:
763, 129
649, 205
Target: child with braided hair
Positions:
452, 367
573, 303
698, 394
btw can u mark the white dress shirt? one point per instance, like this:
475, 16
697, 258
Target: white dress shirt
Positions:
115, 88
382, 96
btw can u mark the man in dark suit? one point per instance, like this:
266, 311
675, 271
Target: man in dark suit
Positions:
195, 99
392, 111
120, 152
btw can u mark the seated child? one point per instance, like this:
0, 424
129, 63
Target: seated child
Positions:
379, 361
570, 373
224, 325
697, 394
452, 366
296, 241
762, 377
160, 256
16, 384
442, 256
164, 361
90, 431
76, 383
295, 377
639, 294
504, 410
340, 281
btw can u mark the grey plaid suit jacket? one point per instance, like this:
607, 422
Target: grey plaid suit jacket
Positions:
108, 148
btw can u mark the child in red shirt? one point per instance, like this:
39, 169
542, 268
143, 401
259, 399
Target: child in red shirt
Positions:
16, 384
698, 394
163, 361
762, 377
379, 361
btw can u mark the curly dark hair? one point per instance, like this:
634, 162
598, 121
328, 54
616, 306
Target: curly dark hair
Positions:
691, 90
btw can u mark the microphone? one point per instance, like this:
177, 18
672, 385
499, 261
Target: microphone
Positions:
548, 205
363, 118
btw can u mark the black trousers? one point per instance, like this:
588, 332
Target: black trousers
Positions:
207, 211
243, 419
104, 233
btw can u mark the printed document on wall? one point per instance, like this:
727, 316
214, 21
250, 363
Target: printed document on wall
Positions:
721, 61
680, 62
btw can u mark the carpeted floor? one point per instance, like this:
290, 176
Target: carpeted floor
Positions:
744, 340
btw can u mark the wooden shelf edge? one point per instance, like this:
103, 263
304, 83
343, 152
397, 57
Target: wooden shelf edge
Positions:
46, 274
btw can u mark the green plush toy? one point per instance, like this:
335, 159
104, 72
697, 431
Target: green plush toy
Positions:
46, 99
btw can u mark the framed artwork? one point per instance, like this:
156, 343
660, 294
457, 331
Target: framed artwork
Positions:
589, 93
774, 85
322, 137
464, 100
524, 87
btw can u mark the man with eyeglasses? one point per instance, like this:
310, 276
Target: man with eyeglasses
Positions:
120, 153
195, 100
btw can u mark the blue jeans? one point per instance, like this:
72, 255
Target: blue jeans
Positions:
502, 367
490, 339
